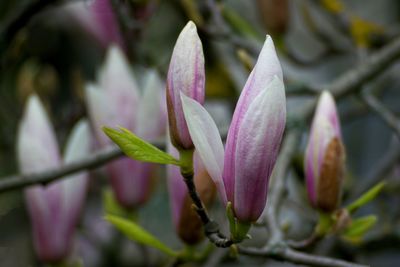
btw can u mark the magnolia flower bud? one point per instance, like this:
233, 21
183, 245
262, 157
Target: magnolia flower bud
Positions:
53, 209
255, 135
97, 18
325, 156
186, 74
187, 223
116, 101
107, 22
242, 172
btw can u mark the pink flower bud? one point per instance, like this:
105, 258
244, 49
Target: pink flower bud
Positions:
241, 173
187, 223
186, 74
325, 156
54, 209
107, 22
98, 19
116, 101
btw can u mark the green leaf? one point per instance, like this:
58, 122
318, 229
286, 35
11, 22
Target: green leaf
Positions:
138, 149
356, 230
366, 197
134, 232
111, 206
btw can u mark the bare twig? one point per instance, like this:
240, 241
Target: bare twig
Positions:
21, 181
387, 116
23, 17
379, 170
211, 228
277, 188
365, 71
290, 255
302, 244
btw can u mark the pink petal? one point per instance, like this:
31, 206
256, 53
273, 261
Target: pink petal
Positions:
322, 132
324, 128
207, 141
74, 187
131, 181
100, 112
327, 108
37, 151
119, 84
107, 22
186, 74
258, 143
151, 121
37, 146
266, 68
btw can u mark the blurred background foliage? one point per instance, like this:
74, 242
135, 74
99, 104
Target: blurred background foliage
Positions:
53, 55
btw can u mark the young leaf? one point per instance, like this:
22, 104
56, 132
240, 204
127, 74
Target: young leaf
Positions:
111, 206
134, 232
355, 231
138, 149
366, 197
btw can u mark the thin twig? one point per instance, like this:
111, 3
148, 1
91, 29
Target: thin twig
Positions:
305, 243
23, 17
379, 170
365, 71
290, 255
277, 188
211, 228
384, 113
21, 181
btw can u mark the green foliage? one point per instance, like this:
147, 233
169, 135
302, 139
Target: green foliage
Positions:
366, 197
138, 149
134, 232
356, 230
112, 207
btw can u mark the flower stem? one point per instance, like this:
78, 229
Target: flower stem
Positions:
211, 228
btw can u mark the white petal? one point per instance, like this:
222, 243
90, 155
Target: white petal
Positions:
150, 109
258, 143
37, 146
37, 150
119, 84
116, 73
99, 111
207, 140
74, 186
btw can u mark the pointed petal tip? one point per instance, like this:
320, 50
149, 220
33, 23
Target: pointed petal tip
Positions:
115, 54
190, 26
207, 140
327, 101
189, 33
